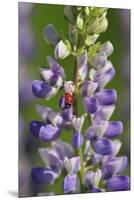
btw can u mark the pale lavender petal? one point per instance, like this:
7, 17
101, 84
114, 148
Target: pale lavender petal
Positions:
99, 60
107, 47
63, 149
51, 35
88, 88
51, 159
49, 133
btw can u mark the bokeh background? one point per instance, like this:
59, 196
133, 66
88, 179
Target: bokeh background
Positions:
32, 54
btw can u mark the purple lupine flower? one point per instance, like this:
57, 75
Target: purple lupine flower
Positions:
118, 183
114, 166
71, 181
77, 136
53, 79
71, 184
92, 179
43, 175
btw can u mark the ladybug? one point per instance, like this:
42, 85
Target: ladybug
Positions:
69, 89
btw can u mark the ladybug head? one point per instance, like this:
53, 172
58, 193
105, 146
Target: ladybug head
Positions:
69, 87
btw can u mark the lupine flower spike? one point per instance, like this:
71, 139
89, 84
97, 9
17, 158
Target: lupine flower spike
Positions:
91, 162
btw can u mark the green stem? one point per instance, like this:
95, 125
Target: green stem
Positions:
78, 151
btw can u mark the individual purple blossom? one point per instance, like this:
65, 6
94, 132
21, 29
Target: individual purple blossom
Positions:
52, 80
118, 183
77, 139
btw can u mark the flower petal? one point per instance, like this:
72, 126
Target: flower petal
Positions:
67, 114
102, 146
103, 75
92, 179
99, 60
55, 118
49, 133
61, 50
35, 127
71, 184
118, 183
88, 88
107, 47
77, 140
51, 159
43, 175
106, 97
63, 149
114, 129
78, 122
114, 166
103, 113
72, 165
50, 35
43, 90
96, 131
90, 104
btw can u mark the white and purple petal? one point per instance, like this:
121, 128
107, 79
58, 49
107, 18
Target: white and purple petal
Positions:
103, 113
51, 159
63, 149
99, 60
107, 47
61, 50
88, 88
55, 118
96, 131
43, 90
114, 166
92, 179
72, 165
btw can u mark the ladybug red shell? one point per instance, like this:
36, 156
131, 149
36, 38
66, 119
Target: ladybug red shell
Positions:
68, 99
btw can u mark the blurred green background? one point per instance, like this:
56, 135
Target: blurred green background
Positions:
39, 16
